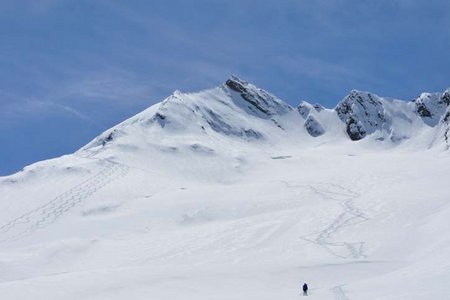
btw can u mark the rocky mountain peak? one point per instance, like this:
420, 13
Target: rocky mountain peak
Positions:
362, 112
311, 124
445, 98
255, 100
432, 106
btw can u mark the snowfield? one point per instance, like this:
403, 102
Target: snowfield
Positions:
232, 194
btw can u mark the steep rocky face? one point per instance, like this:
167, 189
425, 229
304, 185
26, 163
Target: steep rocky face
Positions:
257, 101
431, 106
362, 112
446, 117
211, 109
304, 108
445, 98
445, 122
318, 107
313, 127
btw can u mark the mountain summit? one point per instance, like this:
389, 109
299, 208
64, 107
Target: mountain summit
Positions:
239, 109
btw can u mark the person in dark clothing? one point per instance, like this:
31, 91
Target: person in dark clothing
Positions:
305, 289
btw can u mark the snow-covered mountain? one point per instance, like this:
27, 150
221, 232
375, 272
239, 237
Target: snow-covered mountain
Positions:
238, 109
231, 193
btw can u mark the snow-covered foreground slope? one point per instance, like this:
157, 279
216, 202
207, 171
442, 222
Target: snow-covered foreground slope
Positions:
200, 199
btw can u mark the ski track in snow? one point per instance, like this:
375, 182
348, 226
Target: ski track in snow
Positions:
50, 211
350, 215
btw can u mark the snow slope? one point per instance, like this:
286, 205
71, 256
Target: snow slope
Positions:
230, 193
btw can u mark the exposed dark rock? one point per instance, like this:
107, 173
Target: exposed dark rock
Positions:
422, 110
303, 109
250, 133
344, 109
432, 106
278, 124
108, 138
252, 99
355, 130
161, 119
313, 127
446, 117
363, 113
318, 107
218, 124
258, 101
445, 98
446, 137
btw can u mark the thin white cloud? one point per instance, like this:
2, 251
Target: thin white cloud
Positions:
105, 86
24, 109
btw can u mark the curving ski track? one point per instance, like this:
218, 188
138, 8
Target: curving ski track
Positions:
350, 215
50, 211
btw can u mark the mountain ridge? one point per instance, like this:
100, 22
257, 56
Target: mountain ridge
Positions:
240, 109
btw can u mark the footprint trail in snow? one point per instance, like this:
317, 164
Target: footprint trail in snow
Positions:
50, 211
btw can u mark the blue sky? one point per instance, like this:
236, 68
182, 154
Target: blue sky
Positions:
71, 69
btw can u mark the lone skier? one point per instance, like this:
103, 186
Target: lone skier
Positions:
305, 289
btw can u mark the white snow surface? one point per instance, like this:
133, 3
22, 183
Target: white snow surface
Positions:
209, 196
